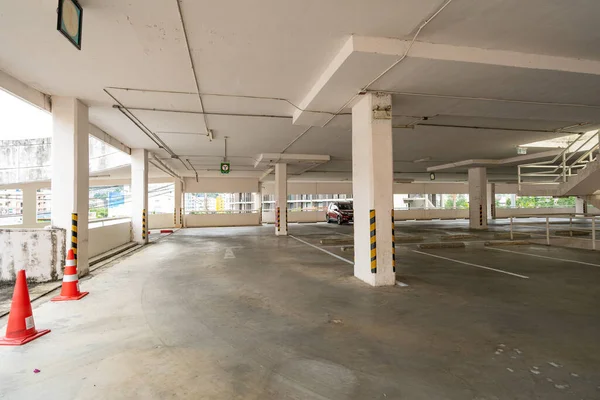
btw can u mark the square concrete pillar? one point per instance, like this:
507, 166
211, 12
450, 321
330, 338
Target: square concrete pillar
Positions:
70, 173
257, 206
478, 203
178, 205
139, 195
491, 196
29, 206
372, 183
281, 224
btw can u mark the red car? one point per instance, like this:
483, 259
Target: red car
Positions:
340, 212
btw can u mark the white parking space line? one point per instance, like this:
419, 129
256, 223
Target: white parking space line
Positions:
323, 250
551, 258
472, 265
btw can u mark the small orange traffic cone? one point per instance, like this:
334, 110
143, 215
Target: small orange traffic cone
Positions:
21, 327
70, 286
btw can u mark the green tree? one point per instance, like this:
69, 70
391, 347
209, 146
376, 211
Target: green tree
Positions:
461, 202
566, 201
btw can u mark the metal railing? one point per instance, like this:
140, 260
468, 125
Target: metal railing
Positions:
568, 163
572, 232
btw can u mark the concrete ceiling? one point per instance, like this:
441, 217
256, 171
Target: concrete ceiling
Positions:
487, 75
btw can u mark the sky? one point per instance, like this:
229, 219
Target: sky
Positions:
21, 120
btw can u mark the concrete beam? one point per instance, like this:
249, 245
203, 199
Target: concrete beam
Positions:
362, 59
108, 139
25, 92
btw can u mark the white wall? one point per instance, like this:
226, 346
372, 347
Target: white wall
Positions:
39, 252
402, 215
301, 216
105, 238
160, 221
206, 220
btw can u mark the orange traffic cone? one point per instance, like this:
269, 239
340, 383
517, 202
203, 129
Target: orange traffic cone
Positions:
21, 327
70, 286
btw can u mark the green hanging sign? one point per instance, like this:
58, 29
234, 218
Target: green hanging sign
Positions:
225, 168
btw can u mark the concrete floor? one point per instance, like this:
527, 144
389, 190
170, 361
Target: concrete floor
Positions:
236, 313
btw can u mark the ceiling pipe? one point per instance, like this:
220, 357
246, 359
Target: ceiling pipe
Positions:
125, 111
208, 113
364, 90
170, 171
194, 169
414, 39
189, 51
163, 169
142, 129
491, 128
238, 96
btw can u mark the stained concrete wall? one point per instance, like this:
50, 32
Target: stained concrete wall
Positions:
24, 160
40, 252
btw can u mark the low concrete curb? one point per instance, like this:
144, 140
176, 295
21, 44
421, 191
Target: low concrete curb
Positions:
571, 233
460, 236
449, 245
336, 241
516, 235
506, 243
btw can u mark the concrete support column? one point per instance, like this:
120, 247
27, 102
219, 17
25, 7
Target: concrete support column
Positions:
580, 206
257, 200
491, 195
281, 225
178, 206
29, 206
139, 195
70, 173
478, 203
372, 182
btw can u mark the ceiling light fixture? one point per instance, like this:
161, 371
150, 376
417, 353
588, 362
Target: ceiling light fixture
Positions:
421, 160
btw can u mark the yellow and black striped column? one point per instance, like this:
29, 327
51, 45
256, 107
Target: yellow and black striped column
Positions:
278, 221
286, 220
480, 215
181, 217
373, 242
393, 243
144, 224
74, 234
175, 216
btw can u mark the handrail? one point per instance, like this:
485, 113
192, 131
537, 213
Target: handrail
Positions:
547, 223
564, 170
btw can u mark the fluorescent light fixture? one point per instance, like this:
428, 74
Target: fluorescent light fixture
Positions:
421, 160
